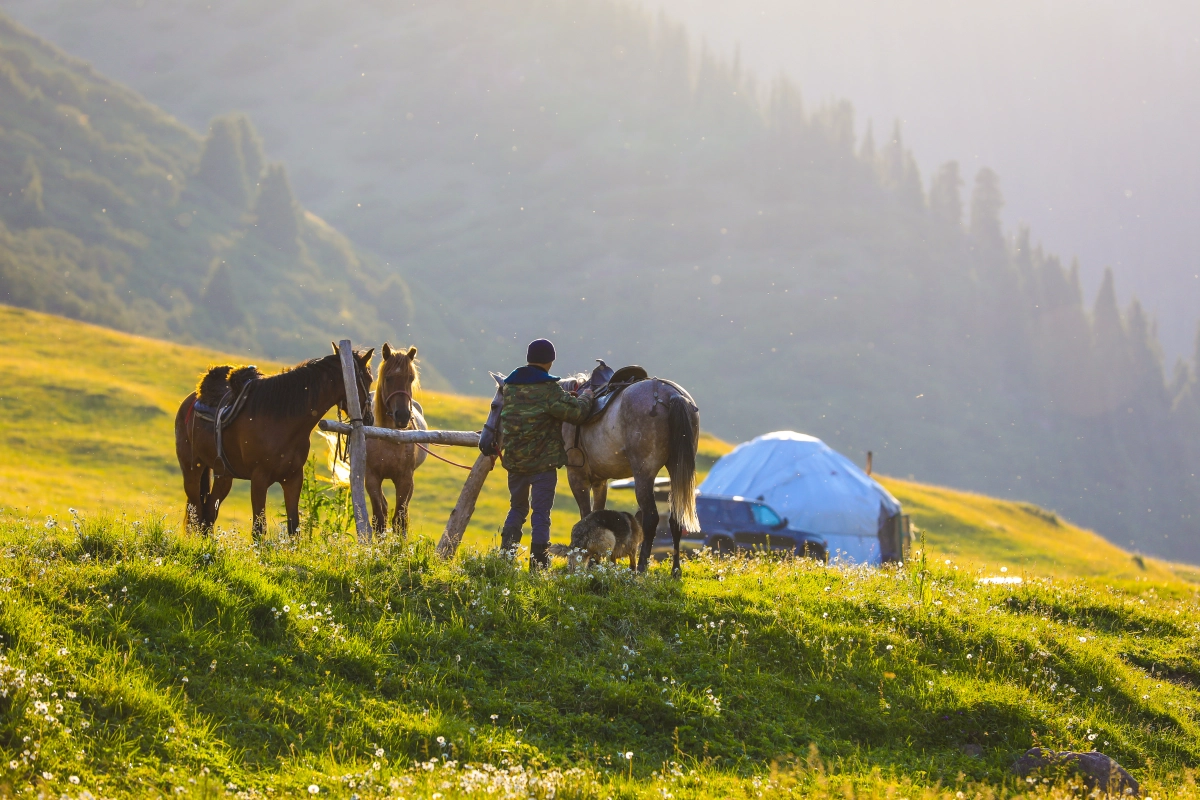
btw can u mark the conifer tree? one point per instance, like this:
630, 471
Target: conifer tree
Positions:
220, 297
945, 196
1111, 345
893, 159
252, 150
276, 215
31, 210
222, 166
986, 202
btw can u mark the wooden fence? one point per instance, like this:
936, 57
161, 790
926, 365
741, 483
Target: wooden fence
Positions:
358, 433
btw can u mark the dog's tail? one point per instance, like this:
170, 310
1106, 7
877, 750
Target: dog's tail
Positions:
683, 421
559, 550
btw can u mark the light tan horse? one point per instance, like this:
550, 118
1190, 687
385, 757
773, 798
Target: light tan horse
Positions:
395, 408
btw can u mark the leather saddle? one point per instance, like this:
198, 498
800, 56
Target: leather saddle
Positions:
222, 413
606, 383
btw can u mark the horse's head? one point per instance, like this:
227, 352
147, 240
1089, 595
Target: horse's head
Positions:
489, 437
398, 379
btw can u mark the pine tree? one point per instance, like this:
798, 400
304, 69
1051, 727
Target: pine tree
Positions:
945, 196
31, 211
986, 203
252, 150
893, 159
220, 297
1111, 346
222, 166
276, 215
866, 151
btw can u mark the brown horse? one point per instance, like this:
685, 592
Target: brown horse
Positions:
395, 408
267, 442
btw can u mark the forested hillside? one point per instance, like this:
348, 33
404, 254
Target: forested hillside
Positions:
576, 170
113, 212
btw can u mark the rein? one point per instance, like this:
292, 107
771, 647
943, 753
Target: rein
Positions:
439, 458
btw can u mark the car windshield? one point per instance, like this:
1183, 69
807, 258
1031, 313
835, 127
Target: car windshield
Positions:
763, 515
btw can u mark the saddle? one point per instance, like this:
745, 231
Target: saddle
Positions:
606, 383
221, 413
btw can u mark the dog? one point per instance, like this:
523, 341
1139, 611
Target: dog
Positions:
611, 534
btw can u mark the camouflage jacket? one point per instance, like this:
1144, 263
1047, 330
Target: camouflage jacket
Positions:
531, 425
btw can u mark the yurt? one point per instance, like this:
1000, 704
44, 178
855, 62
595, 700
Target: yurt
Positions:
819, 491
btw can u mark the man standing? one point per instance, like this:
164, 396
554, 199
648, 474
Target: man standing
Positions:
535, 408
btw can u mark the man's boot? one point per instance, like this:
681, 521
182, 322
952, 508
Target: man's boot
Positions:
539, 556
510, 540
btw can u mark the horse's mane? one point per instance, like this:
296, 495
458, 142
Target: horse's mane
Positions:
293, 391
290, 393
381, 392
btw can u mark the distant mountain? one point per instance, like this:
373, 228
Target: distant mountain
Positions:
113, 212
578, 170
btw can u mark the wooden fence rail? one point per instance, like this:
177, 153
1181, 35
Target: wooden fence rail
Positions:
359, 433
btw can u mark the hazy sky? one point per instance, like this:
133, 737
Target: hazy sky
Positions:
1088, 109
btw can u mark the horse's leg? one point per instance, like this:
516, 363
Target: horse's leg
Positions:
404, 492
379, 505
580, 489
221, 484
599, 495
643, 487
292, 485
192, 476
676, 534
258, 506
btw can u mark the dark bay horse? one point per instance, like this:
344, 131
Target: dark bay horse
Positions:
650, 425
267, 442
395, 408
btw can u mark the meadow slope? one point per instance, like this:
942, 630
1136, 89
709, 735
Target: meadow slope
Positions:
107, 445
140, 661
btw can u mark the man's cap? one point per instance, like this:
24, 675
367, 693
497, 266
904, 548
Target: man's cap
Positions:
541, 351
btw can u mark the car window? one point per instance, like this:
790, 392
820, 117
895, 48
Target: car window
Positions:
764, 515
707, 511
736, 513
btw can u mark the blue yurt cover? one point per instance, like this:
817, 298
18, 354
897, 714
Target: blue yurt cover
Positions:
818, 489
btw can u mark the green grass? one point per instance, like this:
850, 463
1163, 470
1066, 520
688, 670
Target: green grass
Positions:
536, 685
165, 659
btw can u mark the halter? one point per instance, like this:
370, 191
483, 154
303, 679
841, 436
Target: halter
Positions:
388, 400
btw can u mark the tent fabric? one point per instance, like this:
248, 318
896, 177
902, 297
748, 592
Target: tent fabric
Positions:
818, 489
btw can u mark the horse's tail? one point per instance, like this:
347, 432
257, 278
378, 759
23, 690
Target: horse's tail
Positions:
683, 424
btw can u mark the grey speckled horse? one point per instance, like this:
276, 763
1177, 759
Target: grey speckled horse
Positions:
650, 425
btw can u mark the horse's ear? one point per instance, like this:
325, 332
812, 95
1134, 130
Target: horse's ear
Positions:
366, 357
387, 351
336, 352
412, 352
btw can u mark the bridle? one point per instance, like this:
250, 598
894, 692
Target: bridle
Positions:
387, 400
387, 403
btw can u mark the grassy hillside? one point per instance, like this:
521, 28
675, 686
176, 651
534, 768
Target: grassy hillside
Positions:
107, 444
135, 660
87, 422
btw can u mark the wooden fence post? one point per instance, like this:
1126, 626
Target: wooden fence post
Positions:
358, 444
465, 507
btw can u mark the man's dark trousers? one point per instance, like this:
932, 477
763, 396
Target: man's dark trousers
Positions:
537, 490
